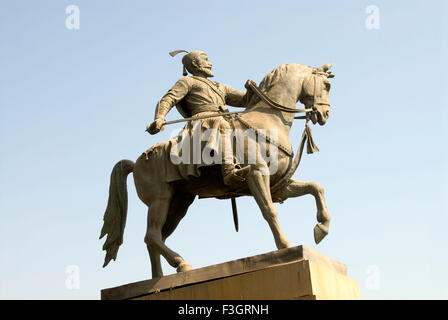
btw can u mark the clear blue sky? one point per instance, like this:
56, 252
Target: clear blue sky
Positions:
74, 102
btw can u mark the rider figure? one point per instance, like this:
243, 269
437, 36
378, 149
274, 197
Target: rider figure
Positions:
198, 96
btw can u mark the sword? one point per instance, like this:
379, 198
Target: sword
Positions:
200, 117
235, 213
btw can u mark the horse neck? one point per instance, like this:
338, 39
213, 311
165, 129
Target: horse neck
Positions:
285, 93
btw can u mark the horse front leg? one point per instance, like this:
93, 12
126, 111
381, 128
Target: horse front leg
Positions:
259, 186
296, 189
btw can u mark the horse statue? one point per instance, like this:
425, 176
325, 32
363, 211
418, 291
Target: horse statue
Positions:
272, 106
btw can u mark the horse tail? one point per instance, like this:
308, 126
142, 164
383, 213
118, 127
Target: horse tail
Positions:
116, 211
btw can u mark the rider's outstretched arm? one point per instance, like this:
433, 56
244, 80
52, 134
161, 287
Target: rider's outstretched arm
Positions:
237, 98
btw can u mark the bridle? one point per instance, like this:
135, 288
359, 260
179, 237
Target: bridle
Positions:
307, 134
317, 98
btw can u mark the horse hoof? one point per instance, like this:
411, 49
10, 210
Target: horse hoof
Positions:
183, 267
284, 245
320, 231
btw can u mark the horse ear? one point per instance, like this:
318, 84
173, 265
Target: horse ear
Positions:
326, 67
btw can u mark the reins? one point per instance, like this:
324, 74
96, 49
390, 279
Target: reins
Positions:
306, 135
274, 105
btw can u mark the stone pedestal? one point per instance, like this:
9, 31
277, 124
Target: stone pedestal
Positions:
295, 273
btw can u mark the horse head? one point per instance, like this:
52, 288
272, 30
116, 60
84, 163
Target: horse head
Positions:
315, 92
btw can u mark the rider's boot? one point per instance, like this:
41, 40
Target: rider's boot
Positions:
233, 175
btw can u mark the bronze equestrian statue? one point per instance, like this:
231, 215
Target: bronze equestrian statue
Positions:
168, 187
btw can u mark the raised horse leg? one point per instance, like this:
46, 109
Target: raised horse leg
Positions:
157, 217
296, 189
259, 187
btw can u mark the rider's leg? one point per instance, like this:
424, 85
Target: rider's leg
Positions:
232, 173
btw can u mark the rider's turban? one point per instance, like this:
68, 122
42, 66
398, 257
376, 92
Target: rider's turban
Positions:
186, 59
173, 53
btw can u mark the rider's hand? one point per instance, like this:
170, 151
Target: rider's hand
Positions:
155, 127
248, 83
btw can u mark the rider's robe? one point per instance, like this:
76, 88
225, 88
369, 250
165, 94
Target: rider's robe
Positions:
194, 97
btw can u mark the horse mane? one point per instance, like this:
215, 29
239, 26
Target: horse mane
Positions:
272, 78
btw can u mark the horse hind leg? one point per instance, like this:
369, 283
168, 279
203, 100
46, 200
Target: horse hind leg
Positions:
156, 266
154, 255
178, 209
157, 216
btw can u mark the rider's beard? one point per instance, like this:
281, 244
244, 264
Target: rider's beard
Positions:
207, 72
